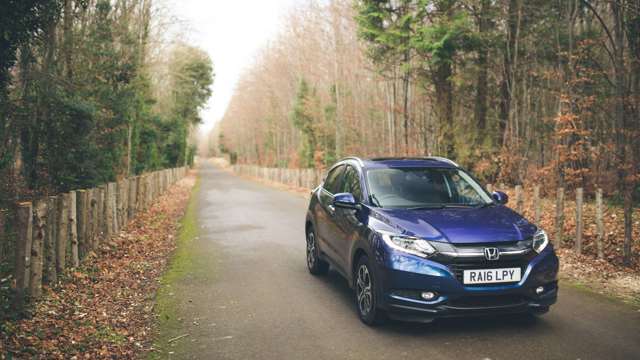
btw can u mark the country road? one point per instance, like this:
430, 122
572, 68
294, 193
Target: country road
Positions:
256, 300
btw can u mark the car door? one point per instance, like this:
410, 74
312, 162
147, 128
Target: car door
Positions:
325, 215
347, 221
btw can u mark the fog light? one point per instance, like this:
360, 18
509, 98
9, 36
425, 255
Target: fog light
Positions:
539, 290
428, 295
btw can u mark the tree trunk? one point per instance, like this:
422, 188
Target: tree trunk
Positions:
623, 150
444, 106
480, 110
519, 199
405, 103
68, 37
536, 204
506, 85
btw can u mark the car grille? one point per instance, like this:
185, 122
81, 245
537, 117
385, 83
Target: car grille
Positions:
486, 301
457, 265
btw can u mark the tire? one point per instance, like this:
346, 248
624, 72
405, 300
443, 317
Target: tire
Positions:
315, 265
364, 285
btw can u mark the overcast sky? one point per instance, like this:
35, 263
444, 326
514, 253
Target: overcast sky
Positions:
231, 31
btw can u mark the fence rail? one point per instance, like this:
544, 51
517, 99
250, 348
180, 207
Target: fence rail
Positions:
57, 232
302, 178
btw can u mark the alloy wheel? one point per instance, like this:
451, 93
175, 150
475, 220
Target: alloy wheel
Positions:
363, 290
311, 250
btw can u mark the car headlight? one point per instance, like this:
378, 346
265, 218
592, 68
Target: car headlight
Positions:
409, 244
540, 240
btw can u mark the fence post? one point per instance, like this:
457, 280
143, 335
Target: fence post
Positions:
101, 223
50, 274
62, 232
519, 199
131, 203
579, 225
73, 229
599, 224
23, 252
536, 204
111, 221
559, 216
82, 208
88, 231
147, 191
120, 193
95, 222
37, 247
140, 194
3, 239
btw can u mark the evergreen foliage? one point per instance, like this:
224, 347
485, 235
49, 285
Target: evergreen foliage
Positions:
78, 104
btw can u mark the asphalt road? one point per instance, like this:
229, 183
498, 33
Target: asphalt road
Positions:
257, 300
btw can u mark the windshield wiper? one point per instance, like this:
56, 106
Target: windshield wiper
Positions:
374, 200
482, 205
427, 207
447, 206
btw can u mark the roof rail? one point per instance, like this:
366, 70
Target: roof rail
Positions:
354, 158
435, 158
443, 159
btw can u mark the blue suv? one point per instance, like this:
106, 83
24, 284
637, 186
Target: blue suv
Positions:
420, 239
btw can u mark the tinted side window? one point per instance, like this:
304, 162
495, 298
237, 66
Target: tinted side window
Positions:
351, 183
332, 183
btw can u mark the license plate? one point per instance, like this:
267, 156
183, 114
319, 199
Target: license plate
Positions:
491, 276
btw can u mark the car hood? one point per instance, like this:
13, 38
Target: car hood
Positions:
459, 225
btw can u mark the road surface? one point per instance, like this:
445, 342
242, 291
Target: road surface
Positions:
256, 299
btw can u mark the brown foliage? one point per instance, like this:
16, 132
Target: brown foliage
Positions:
103, 310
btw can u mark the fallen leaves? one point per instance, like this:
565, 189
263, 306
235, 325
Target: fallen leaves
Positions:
104, 309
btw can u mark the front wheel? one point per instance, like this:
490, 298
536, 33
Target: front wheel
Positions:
315, 265
365, 286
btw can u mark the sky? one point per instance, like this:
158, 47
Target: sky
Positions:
232, 32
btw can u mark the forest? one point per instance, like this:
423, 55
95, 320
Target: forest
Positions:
518, 92
92, 91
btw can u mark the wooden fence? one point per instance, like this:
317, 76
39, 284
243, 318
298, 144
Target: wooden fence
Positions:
302, 178
56, 233
310, 178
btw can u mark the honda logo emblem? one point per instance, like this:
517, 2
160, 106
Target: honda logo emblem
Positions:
491, 253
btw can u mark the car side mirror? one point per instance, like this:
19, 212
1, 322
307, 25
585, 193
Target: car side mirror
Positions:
345, 201
500, 197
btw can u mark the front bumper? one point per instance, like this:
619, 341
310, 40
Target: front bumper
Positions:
402, 277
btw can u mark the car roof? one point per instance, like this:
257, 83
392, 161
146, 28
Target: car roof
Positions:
389, 162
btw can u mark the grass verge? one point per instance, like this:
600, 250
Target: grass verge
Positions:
181, 264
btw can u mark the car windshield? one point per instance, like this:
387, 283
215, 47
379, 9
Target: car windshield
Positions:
424, 188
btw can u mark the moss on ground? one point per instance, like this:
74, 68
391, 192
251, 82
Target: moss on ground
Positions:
591, 290
182, 264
